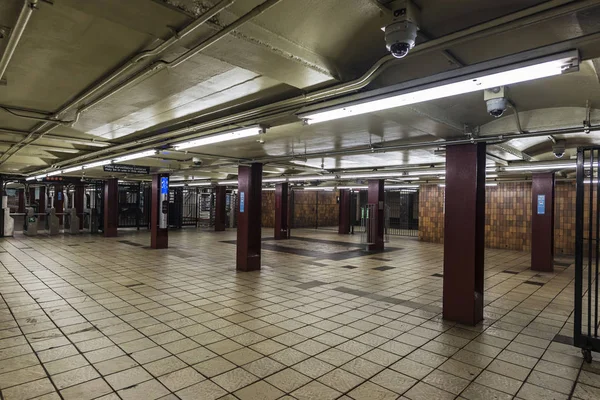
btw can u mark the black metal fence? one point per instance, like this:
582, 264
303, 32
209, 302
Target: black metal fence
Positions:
134, 210
403, 211
587, 251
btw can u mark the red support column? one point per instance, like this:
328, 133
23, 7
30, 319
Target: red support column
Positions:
376, 197
542, 222
344, 206
21, 208
59, 202
281, 211
78, 203
111, 207
464, 233
249, 217
220, 208
159, 227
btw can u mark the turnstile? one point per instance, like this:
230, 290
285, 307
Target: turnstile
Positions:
52, 222
71, 221
8, 221
30, 225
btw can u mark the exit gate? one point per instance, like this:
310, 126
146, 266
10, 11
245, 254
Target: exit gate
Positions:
587, 251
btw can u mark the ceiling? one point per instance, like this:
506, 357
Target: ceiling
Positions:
286, 49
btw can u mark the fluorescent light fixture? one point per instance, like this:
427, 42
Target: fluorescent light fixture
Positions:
491, 184
401, 186
97, 164
442, 185
268, 189
38, 177
200, 184
397, 175
485, 80
177, 185
356, 187
220, 137
53, 173
72, 169
274, 180
537, 167
30, 178
491, 176
231, 182
133, 156
425, 172
300, 178
325, 188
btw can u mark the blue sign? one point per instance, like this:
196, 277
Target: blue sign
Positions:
541, 204
164, 185
59, 196
242, 198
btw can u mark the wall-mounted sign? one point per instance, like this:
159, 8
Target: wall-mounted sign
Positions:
164, 185
242, 201
127, 169
541, 204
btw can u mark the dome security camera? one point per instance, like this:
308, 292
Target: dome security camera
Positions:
559, 149
495, 101
401, 33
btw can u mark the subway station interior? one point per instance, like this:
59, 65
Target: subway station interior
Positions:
299, 199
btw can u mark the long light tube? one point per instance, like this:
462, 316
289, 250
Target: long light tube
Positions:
522, 74
274, 180
563, 165
231, 182
301, 178
30, 178
218, 138
97, 164
53, 173
200, 184
397, 175
426, 172
325, 188
355, 187
72, 169
128, 157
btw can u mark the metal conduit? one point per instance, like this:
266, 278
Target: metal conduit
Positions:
548, 10
115, 74
16, 34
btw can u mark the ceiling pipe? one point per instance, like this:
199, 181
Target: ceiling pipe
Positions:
16, 34
211, 12
161, 64
531, 15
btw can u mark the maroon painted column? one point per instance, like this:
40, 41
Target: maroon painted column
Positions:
249, 217
344, 206
21, 194
376, 231
78, 203
464, 233
159, 208
111, 207
220, 208
542, 222
281, 211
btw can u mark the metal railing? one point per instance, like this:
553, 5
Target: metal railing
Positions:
587, 251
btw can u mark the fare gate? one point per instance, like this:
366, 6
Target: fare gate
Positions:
134, 210
587, 251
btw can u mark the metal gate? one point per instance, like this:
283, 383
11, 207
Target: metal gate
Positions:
133, 205
231, 204
206, 217
404, 212
190, 207
587, 251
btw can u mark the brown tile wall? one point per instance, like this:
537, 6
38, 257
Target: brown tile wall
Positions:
305, 209
507, 216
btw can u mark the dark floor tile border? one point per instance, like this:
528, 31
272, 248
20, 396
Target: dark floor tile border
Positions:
506, 271
383, 268
349, 266
133, 285
534, 283
438, 275
311, 284
563, 339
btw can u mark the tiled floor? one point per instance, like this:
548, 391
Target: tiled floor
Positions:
83, 317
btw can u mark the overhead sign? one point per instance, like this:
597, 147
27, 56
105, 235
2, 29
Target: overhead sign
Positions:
541, 204
127, 169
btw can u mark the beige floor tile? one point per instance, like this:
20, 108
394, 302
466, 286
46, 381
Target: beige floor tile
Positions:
288, 380
205, 390
371, 391
313, 367
242, 356
361, 367
28, 390
393, 381
149, 390
263, 367
180, 379
341, 380
86, 391
128, 377
532, 392
411, 368
164, 366
476, 391
20, 376
586, 392
315, 391
214, 366
259, 390
74, 377
235, 379
423, 391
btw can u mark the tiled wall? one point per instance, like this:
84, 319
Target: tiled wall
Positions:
304, 209
507, 216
